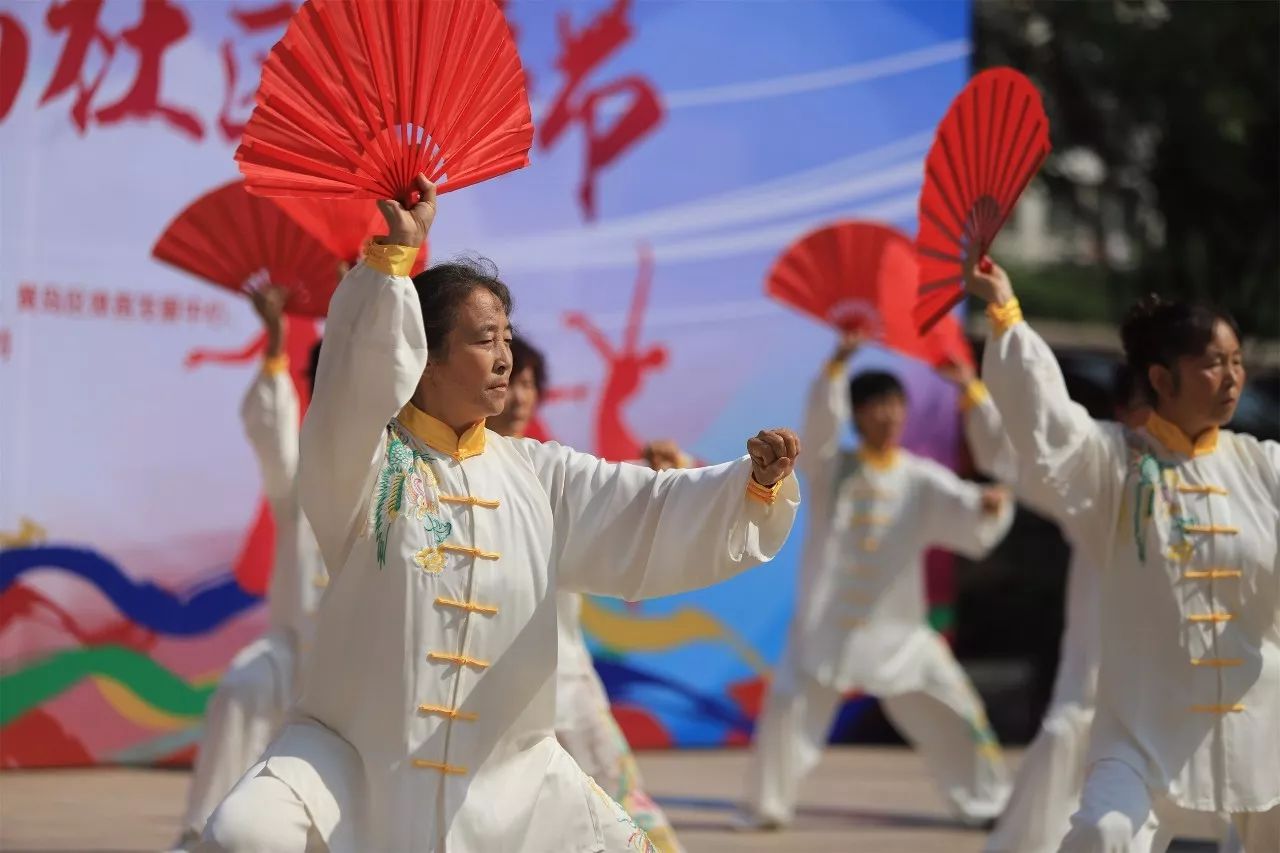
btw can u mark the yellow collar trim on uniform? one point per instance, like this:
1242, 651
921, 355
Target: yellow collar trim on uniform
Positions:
1172, 437
438, 435
881, 460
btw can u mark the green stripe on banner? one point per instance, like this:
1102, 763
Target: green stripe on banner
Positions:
39, 682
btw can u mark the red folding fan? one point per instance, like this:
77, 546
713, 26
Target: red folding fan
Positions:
362, 95
993, 139
342, 225
239, 241
858, 276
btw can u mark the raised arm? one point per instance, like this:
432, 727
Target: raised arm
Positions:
627, 531
1056, 443
374, 352
826, 415
270, 407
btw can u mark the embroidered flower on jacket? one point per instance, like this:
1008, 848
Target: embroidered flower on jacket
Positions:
430, 559
407, 487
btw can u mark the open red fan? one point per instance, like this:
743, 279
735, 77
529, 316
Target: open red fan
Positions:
238, 241
858, 276
342, 225
362, 95
993, 139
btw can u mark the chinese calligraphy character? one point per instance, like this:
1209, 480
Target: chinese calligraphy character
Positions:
162, 25
14, 49
26, 296
270, 19
581, 53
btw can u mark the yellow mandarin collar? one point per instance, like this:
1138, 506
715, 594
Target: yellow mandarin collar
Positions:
879, 460
437, 435
1172, 437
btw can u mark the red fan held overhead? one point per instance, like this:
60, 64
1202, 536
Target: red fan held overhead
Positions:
342, 226
993, 139
858, 277
239, 241
362, 95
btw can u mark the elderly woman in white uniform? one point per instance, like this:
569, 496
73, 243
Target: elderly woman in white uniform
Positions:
1183, 517
426, 720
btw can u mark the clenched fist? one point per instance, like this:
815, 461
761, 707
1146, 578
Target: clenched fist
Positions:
773, 455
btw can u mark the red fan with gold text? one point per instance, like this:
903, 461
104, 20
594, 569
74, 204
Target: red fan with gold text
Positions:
362, 95
239, 241
342, 225
858, 277
993, 139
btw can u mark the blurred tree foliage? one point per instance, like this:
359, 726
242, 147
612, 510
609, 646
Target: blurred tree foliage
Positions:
1180, 102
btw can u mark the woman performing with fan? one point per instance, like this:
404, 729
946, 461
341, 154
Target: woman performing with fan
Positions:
1185, 517
249, 705
427, 716
585, 725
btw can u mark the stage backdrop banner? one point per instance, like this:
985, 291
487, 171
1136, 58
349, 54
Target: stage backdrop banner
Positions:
680, 147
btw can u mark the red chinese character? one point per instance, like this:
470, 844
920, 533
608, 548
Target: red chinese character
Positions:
50, 300
581, 53
162, 25
169, 309
26, 296
193, 310
75, 300
14, 50
147, 306
270, 19
6, 344
214, 313
124, 305
99, 303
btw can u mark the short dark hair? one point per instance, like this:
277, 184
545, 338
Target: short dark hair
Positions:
442, 288
1156, 331
873, 384
313, 362
524, 354
1124, 387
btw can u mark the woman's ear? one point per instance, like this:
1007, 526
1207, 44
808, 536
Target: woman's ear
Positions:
1163, 380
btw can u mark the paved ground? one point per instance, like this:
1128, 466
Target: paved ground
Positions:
873, 800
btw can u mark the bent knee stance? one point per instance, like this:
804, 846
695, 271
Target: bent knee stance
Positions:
261, 815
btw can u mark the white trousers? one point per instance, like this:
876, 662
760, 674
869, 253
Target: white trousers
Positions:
1120, 814
261, 815
945, 721
1046, 790
243, 715
587, 730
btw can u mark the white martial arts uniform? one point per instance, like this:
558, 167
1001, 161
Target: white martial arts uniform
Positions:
251, 700
1188, 710
587, 730
427, 717
1046, 789
860, 621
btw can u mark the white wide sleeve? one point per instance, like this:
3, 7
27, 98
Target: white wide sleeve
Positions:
626, 531
269, 413
953, 515
1059, 447
826, 413
373, 355
991, 449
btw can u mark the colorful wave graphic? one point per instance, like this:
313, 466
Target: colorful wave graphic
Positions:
143, 602
162, 694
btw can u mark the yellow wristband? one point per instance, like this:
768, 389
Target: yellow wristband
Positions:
975, 394
765, 494
834, 369
390, 260
1004, 317
275, 365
